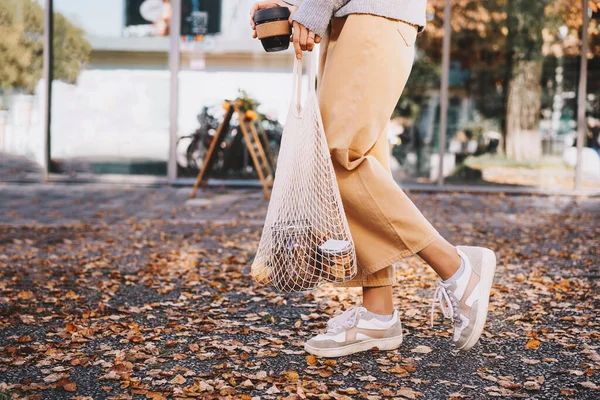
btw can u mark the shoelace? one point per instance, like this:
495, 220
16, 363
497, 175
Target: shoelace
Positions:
345, 320
448, 304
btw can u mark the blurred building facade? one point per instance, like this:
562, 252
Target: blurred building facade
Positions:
116, 117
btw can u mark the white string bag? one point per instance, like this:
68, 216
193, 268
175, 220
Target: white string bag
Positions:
306, 239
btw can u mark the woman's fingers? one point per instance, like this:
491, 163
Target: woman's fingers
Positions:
259, 6
303, 38
296, 40
310, 43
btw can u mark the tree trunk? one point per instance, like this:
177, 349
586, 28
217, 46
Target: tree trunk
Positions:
525, 22
524, 102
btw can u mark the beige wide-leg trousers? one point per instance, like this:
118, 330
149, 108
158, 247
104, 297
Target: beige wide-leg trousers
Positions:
365, 63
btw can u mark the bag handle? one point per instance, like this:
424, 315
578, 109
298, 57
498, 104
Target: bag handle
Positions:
297, 80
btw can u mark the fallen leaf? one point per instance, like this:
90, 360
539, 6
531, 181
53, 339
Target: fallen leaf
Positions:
25, 295
54, 378
247, 384
273, 390
178, 380
67, 384
589, 385
398, 370
531, 385
155, 396
408, 393
311, 360
300, 391
530, 361
292, 376
421, 349
533, 344
568, 391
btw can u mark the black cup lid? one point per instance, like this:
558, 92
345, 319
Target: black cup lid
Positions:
269, 14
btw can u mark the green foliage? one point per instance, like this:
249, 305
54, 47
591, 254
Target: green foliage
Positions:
22, 46
14, 57
476, 128
247, 102
71, 50
491, 38
525, 22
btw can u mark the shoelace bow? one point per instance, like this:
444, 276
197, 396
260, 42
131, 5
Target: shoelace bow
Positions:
448, 304
345, 320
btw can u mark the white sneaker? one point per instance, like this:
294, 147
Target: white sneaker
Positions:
466, 300
354, 331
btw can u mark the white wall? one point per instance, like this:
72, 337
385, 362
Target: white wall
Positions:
125, 113
22, 133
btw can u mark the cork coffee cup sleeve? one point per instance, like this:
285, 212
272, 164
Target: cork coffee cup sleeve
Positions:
275, 28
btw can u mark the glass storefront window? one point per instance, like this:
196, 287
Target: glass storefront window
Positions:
514, 76
413, 129
110, 95
221, 62
512, 117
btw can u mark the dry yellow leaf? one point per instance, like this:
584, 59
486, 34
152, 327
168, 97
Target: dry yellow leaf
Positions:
178, 380
25, 295
70, 387
398, 370
533, 344
311, 360
155, 396
67, 384
292, 376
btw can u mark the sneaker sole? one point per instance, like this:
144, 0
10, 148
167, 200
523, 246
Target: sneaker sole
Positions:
488, 270
382, 344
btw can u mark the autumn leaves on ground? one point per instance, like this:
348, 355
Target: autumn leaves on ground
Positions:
121, 293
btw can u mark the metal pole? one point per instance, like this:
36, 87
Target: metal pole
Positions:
444, 88
582, 95
47, 74
174, 65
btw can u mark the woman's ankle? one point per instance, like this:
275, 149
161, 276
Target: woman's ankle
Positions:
442, 257
378, 300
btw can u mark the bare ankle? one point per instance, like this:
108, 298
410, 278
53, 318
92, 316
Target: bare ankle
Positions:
442, 257
378, 300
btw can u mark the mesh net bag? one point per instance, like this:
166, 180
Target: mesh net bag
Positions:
305, 240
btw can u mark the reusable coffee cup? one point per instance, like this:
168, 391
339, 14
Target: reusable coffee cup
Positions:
273, 28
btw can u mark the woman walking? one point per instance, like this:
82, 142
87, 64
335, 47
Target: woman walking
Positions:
367, 51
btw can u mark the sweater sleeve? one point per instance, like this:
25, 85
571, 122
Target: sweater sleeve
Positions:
316, 14
293, 2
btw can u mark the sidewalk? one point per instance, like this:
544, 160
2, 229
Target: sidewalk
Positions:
115, 292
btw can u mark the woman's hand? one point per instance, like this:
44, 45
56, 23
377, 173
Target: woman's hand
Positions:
269, 4
303, 38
